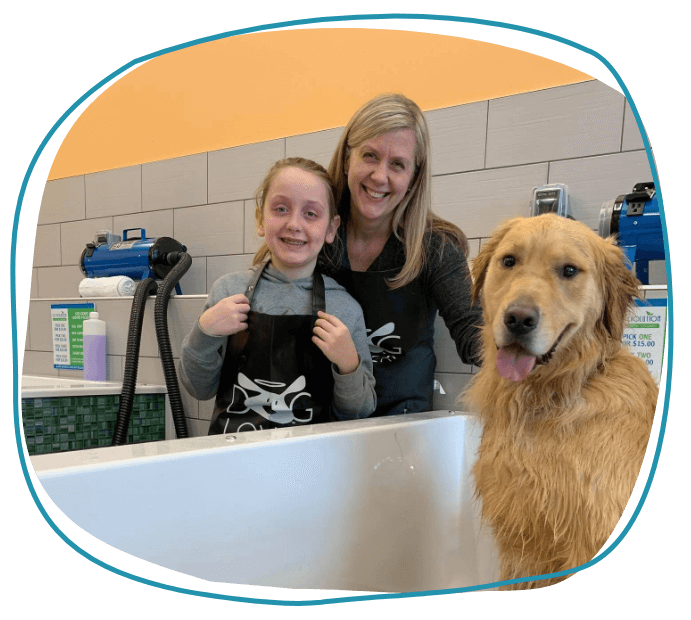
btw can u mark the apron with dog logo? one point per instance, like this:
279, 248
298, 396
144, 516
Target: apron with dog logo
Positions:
399, 337
273, 375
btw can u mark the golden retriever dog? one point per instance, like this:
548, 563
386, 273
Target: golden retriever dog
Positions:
566, 408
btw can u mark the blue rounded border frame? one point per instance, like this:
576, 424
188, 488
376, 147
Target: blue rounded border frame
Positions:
286, 24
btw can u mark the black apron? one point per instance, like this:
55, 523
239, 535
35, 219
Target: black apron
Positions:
273, 375
400, 338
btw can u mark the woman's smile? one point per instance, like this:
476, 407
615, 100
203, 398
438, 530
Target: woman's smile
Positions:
375, 195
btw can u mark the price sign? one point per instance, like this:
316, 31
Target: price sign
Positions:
68, 338
645, 333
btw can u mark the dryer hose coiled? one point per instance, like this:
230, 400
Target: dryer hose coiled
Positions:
182, 262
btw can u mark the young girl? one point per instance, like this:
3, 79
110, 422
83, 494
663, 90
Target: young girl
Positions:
265, 338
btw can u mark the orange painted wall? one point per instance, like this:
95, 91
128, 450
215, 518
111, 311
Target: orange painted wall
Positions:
263, 86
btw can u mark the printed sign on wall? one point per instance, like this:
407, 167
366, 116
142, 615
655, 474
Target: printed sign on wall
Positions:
68, 338
645, 334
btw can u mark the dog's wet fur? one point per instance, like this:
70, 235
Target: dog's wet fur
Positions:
566, 408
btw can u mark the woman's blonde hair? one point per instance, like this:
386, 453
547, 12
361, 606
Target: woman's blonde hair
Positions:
263, 191
413, 217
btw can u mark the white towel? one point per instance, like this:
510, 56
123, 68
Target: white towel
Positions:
113, 286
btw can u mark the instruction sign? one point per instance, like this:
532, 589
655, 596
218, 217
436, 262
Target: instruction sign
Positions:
645, 333
68, 338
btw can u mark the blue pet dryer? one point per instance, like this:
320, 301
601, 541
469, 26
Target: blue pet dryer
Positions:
635, 220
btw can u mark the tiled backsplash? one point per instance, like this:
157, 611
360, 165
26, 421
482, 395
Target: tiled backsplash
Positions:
486, 159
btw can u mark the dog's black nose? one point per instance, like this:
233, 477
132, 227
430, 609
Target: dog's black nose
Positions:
520, 320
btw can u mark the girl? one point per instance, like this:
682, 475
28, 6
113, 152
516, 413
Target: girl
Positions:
264, 340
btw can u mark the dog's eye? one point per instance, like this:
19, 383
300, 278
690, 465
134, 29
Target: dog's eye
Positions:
508, 261
569, 271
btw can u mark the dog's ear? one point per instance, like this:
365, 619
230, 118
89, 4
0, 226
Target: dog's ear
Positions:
482, 260
619, 285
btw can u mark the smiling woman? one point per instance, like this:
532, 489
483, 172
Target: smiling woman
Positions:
379, 174
401, 262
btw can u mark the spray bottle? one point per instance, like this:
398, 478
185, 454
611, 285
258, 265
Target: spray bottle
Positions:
94, 331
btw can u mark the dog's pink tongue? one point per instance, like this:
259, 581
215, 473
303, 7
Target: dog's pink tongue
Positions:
513, 363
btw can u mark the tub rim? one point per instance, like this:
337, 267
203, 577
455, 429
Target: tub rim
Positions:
61, 463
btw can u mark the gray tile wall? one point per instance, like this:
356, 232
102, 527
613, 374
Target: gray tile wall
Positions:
486, 159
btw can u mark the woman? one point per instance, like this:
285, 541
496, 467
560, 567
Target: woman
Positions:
399, 260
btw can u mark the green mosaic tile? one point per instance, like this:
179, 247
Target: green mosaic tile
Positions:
75, 423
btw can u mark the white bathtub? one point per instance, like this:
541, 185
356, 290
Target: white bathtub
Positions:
383, 505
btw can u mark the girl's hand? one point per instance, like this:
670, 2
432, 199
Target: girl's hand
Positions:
227, 317
334, 340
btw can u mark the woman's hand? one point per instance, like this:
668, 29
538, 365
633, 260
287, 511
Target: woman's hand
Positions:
227, 317
334, 340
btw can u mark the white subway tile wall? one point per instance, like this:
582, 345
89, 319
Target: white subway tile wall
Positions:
486, 159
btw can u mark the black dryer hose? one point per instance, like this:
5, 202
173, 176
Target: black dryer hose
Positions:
129, 382
182, 262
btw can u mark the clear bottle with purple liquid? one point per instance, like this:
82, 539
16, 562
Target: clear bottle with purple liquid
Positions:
94, 333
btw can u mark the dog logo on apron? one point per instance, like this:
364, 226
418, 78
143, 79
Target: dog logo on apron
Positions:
397, 332
381, 350
273, 375
263, 398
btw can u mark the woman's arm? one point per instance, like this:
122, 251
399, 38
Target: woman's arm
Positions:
448, 285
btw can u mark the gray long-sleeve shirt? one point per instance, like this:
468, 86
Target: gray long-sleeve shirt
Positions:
202, 354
